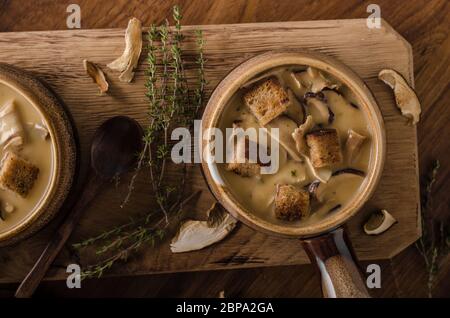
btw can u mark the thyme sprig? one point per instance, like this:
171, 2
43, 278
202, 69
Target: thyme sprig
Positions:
169, 105
128, 238
433, 245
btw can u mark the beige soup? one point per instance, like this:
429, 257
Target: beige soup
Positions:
37, 149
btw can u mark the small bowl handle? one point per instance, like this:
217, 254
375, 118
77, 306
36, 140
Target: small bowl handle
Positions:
333, 256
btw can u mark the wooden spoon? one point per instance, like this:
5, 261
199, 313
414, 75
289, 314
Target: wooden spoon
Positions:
113, 152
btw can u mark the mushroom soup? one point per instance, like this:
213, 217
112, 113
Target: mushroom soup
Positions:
27, 158
324, 145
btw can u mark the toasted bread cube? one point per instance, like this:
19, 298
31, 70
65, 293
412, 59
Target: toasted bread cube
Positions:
324, 147
291, 203
246, 169
267, 100
240, 163
17, 174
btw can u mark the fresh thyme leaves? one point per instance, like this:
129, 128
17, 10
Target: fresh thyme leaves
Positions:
172, 102
433, 245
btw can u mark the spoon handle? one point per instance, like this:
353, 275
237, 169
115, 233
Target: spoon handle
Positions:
37, 273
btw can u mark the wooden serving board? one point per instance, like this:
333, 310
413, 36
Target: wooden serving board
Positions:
56, 57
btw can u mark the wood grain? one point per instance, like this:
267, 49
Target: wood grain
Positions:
365, 51
423, 23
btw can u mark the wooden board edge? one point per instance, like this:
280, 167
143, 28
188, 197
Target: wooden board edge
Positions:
411, 81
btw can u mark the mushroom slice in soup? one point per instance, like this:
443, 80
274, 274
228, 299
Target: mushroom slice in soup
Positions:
299, 135
39, 129
286, 127
353, 145
295, 109
320, 111
322, 174
340, 182
11, 129
313, 80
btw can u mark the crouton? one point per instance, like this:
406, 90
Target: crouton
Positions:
246, 169
291, 203
17, 174
267, 100
240, 163
324, 147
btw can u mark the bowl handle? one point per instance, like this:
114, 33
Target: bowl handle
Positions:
334, 258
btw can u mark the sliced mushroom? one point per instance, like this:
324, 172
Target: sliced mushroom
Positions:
320, 111
299, 135
11, 132
322, 174
39, 129
336, 98
195, 235
313, 80
405, 97
285, 127
295, 109
353, 145
342, 179
97, 75
130, 57
379, 222
348, 95
247, 120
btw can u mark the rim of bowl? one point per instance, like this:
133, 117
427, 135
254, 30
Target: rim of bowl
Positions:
263, 62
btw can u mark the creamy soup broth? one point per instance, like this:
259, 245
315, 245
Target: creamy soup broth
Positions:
36, 149
257, 193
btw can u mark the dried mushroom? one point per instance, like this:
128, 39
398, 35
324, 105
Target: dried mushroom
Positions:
130, 57
379, 222
195, 235
353, 145
97, 75
405, 97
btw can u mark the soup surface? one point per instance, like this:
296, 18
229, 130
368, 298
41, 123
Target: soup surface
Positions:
18, 115
327, 178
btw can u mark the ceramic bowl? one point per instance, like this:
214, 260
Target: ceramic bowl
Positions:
63, 146
248, 70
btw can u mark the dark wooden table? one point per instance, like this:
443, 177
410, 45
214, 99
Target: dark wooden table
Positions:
424, 23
